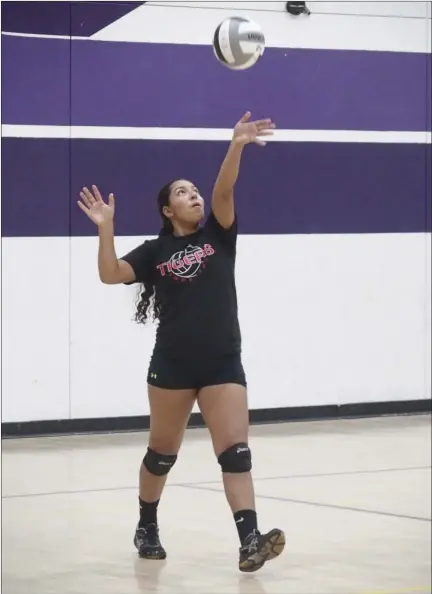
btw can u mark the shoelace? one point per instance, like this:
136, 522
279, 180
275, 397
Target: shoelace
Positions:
252, 546
149, 537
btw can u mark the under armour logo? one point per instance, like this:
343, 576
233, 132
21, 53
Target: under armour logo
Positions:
153, 375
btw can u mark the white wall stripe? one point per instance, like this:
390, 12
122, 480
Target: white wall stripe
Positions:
128, 133
381, 9
44, 36
196, 25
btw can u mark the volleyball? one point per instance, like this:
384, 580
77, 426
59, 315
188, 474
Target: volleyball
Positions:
238, 43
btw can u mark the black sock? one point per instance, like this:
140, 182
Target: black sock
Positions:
148, 513
246, 523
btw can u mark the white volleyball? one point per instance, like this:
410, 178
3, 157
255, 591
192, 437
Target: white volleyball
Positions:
238, 43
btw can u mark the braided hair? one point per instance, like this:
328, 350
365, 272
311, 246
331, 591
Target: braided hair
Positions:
147, 299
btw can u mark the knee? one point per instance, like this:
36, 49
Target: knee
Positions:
159, 464
236, 458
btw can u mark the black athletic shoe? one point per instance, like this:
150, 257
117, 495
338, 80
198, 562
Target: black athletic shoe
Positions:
259, 548
148, 544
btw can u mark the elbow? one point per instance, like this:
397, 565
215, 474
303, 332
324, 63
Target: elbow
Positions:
106, 279
110, 275
223, 195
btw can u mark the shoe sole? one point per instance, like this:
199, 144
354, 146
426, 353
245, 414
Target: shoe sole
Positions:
151, 557
271, 548
160, 557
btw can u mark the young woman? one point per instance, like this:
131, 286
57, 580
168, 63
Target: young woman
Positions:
187, 275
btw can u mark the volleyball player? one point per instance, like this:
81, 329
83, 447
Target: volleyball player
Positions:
188, 285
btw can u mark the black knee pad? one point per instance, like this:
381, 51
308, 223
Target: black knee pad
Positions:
159, 464
237, 458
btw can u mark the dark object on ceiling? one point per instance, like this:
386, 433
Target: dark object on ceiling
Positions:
297, 8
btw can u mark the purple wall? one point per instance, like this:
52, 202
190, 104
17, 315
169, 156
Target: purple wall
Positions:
285, 188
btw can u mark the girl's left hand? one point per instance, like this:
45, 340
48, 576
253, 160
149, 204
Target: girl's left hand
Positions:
246, 132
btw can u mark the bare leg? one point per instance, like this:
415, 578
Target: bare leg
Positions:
225, 410
169, 414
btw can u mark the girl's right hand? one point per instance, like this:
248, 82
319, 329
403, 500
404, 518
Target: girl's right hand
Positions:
95, 208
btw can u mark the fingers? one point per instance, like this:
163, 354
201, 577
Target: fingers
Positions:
264, 123
264, 128
83, 207
245, 118
267, 123
97, 194
89, 201
87, 197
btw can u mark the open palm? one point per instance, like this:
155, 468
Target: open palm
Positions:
246, 132
94, 207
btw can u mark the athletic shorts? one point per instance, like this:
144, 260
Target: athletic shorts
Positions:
174, 374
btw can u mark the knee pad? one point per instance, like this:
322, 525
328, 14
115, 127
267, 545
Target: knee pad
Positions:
159, 464
237, 458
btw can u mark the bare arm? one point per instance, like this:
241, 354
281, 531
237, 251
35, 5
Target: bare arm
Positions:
112, 271
223, 191
245, 132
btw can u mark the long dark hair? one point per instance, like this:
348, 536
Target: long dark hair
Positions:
147, 299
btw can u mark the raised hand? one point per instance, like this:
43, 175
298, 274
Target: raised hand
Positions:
95, 208
246, 131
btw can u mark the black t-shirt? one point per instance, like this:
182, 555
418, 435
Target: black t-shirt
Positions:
193, 276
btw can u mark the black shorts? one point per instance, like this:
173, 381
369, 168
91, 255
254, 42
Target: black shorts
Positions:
175, 374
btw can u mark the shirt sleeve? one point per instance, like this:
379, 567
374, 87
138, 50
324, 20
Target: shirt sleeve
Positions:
226, 236
142, 260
